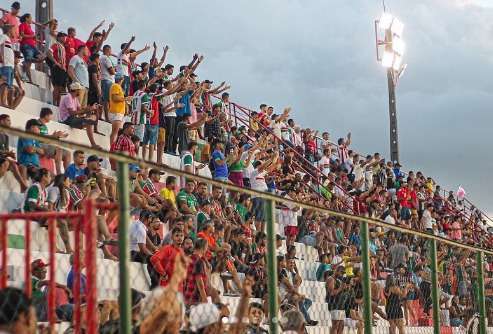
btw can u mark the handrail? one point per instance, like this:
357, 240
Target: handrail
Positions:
248, 112
444, 198
305, 170
304, 160
265, 195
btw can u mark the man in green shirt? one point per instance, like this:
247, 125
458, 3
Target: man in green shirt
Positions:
187, 202
204, 214
36, 194
45, 117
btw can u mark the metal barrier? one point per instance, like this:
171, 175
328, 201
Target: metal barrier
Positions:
358, 253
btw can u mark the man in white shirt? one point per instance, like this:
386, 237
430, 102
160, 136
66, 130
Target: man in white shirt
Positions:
139, 251
107, 77
324, 162
77, 71
7, 64
391, 217
427, 218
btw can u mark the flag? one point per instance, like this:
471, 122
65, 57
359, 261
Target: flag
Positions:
461, 193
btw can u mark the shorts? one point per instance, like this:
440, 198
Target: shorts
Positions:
338, 315
139, 131
291, 231
7, 72
112, 117
83, 95
161, 137
59, 77
405, 213
150, 134
105, 90
29, 52
78, 123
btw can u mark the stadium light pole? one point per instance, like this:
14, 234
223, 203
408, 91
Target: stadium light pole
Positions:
43, 14
388, 33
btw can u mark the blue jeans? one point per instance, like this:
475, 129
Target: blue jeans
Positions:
8, 73
126, 85
304, 306
29, 52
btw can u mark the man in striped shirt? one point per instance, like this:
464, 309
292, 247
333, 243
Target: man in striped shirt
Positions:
343, 148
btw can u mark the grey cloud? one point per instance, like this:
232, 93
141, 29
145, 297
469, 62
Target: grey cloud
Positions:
319, 57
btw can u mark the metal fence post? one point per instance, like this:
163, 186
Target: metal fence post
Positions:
272, 268
365, 257
434, 287
123, 245
481, 297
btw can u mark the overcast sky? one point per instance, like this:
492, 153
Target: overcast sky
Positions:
318, 56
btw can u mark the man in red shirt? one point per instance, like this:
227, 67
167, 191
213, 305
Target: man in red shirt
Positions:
163, 260
208, 234
123, 143
195, 289
406, 198
96, 39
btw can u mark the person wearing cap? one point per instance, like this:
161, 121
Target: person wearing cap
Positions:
77, 116
29, 150
38, 294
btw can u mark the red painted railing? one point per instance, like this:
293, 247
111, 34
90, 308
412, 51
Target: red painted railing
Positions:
83, 221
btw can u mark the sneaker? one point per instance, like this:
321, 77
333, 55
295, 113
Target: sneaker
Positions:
312, 323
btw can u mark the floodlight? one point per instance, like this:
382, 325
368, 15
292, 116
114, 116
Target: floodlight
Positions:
397, 63
385, 21
397, 27
398, 45
387, 59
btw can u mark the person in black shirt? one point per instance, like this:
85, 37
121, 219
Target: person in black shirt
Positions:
94, 94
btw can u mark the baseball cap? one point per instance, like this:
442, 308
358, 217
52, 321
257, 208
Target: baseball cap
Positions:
75, 86
134, 168
94, 158
38, 264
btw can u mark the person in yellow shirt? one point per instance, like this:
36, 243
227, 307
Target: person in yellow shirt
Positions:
117, 107
168, 192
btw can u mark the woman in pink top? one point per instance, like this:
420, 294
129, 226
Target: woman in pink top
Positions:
28, 45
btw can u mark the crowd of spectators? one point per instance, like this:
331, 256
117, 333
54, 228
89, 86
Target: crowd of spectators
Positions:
218, 237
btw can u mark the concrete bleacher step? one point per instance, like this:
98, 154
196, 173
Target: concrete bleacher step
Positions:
108, 272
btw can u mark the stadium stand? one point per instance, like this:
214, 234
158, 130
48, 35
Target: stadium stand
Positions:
151, 111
